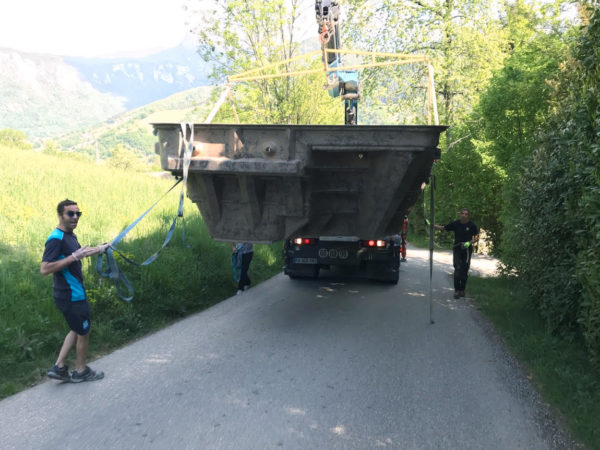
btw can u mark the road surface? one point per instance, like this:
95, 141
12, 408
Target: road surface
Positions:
302, 364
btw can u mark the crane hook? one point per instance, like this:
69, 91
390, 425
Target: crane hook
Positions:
324, 37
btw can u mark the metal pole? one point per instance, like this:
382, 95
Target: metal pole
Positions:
431, 229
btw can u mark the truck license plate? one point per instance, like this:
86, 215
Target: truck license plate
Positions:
305, 260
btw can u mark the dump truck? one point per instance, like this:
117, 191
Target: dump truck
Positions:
336, 195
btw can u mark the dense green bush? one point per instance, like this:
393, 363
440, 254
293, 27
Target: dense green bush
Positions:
124, 158
560, 203
471, 179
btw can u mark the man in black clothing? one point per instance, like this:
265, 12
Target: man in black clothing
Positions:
465, 236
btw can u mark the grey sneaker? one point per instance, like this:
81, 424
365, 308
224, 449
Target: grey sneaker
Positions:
59, 373
87, 375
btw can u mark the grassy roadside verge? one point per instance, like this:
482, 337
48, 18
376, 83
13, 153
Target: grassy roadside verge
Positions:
558, 366
182, 282
185, 278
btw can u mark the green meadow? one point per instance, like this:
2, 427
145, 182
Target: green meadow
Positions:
186, 278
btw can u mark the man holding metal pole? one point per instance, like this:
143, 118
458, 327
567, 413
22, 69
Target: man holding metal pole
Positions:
465, 237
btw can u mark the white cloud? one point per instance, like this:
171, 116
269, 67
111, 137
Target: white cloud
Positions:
99, 28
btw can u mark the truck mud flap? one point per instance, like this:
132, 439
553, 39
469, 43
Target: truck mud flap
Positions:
381, 271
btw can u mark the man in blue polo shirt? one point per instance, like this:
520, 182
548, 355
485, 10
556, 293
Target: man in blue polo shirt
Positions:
62, 257
465, 237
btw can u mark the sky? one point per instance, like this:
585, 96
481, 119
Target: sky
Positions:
92, 28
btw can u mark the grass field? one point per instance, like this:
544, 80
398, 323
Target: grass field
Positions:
181, 281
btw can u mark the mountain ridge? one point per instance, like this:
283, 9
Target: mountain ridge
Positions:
47, 96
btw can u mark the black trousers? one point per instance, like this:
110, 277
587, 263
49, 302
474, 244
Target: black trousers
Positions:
461, 258
244, 279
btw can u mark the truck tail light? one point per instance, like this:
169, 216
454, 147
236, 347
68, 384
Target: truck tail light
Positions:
304, 241
374, 243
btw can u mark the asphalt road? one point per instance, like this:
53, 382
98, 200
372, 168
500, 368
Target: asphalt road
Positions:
295, 364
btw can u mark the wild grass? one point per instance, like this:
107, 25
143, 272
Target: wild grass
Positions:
184, 279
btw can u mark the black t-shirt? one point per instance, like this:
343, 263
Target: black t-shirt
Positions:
463, 232
68, 282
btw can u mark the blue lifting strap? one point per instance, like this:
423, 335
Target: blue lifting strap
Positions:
113, 271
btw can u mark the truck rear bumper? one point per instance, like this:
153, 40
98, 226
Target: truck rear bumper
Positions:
374, 263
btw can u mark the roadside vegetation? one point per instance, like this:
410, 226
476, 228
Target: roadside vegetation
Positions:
183, 280
558, 367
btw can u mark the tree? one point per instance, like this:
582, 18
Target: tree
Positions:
239, 35
123, 158
463, 40
515, 104
50, 147
513, 109
14, 138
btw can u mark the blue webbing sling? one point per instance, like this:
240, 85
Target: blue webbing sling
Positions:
113, 271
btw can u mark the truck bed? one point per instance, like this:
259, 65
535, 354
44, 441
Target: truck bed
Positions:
265, 183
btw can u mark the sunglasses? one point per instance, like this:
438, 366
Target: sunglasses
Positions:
72, 214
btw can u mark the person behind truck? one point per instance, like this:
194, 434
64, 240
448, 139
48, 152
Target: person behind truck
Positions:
62, 257
403, 236
465, 237
242, 256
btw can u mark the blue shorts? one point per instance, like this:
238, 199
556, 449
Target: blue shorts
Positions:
77, 315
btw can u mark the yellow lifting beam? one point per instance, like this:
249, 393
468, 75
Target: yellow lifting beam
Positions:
390, 59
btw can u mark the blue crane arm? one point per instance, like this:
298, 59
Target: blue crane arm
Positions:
340, 83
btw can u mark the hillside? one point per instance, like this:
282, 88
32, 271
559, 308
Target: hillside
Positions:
46, 96
144, 80
133, 128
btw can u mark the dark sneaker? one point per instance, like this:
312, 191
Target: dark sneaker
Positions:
461, 293
87, 375
456, 294
59, 373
